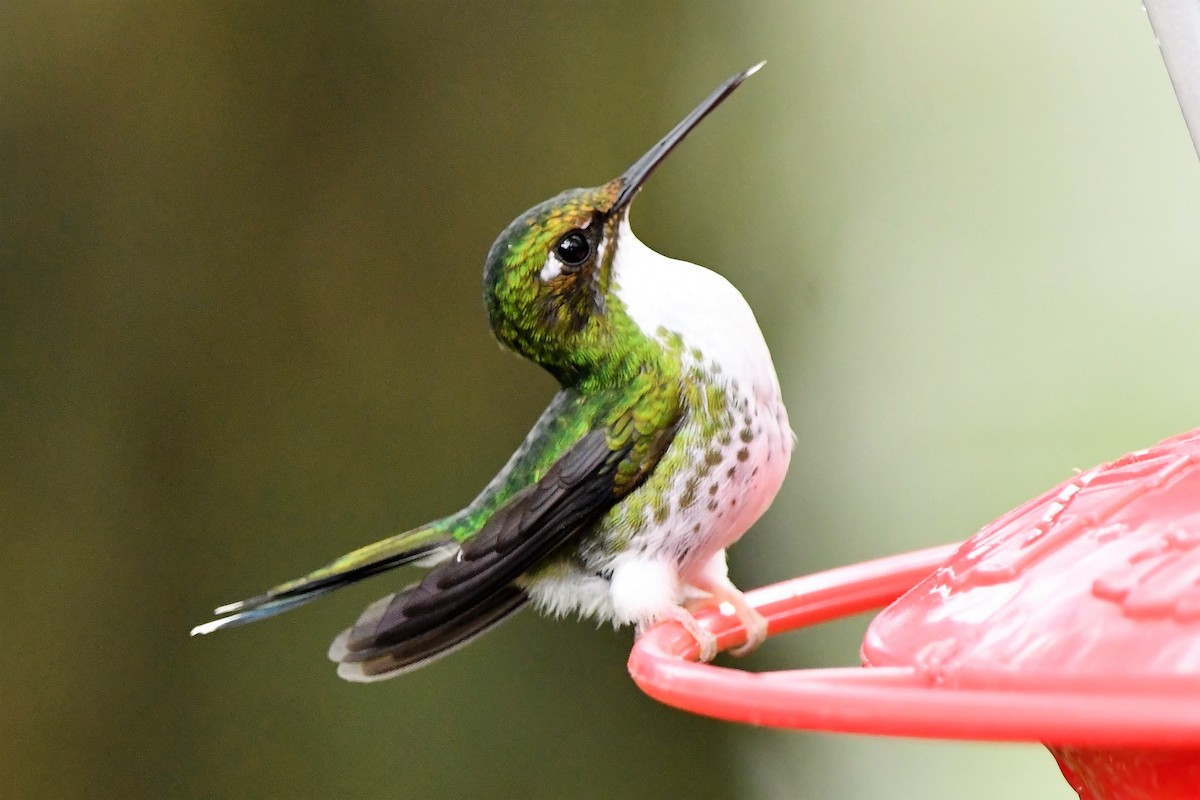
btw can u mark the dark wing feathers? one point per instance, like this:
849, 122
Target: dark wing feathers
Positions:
417, 652
473, 591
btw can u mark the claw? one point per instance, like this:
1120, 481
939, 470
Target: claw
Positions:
706, 639
756, 629
754, 623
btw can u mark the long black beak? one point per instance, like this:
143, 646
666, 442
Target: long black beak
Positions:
636, 175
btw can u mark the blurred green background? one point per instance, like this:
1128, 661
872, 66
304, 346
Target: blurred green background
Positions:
241, 332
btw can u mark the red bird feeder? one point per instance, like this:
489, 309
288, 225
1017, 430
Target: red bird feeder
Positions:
1074, 620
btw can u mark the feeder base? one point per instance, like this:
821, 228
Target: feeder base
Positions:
1130, 773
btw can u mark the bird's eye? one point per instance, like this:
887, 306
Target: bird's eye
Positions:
573, 249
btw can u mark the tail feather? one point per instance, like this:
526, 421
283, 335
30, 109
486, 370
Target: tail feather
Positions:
362, 660
429, 543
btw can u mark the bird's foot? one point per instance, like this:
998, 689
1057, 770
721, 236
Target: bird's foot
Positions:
754, 623
706, 639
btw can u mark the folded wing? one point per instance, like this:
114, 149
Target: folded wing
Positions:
475, 590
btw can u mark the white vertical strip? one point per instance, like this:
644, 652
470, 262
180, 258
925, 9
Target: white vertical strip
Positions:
1176, 25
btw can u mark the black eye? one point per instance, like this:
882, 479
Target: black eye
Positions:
573, 249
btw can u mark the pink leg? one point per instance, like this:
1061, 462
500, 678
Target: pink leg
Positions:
714, 579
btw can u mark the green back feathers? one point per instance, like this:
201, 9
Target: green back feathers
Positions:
635, 418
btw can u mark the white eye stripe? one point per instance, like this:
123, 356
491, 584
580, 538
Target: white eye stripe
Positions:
553, 268
600, 250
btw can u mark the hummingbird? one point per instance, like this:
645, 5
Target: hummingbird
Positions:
667, 440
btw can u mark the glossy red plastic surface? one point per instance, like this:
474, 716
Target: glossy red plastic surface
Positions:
1093, 587
1073, 620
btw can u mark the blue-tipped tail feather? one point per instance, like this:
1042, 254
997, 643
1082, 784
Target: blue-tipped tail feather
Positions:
429, 543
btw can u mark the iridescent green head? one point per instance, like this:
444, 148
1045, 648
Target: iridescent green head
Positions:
548, 282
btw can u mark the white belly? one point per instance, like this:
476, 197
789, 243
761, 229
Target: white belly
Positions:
723, 346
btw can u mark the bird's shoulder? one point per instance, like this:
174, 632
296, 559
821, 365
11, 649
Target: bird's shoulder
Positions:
638, 418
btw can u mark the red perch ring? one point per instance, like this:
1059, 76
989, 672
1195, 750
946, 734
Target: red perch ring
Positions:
1073, 620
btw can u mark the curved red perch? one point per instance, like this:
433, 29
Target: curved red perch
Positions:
1074, 620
